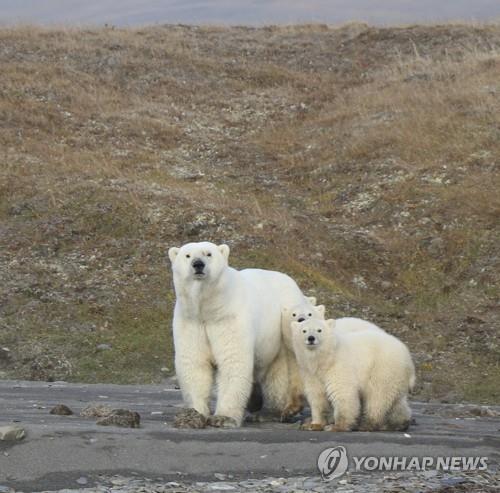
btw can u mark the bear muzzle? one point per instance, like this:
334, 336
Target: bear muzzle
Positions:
311, 341
198, 266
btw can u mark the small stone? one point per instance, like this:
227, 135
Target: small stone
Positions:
5, 354
431, 473
221, 487
104, 347
121, 417
452, 481
220, 476
118, 481
61, 410
12, 433
190, 418
482, 411
5, 489
83, 480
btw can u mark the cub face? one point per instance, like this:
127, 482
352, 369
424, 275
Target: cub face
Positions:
303, 312
312, 333
199, 262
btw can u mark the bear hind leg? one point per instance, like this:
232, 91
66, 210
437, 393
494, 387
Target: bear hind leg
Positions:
399, 416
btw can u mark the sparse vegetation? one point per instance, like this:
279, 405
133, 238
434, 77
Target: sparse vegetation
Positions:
362, 161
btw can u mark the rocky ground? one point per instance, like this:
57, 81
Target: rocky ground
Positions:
74, 452
362, 161
414, 482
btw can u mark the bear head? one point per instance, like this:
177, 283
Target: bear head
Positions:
198, 262
312, 332
304, 311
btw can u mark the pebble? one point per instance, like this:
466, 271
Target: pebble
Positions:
121, 417
190, 418
221, 487
83, 480
104, 347
12, 433
61, 410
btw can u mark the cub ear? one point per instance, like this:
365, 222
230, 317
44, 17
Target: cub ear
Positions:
320, 309
295, 325
172, 253
224, 250
330, 323
312, 300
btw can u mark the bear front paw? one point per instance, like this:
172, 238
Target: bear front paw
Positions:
218, 421
190, 418
312, 427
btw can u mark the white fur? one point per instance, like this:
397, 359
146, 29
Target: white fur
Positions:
351, 324
349, 365
229, 320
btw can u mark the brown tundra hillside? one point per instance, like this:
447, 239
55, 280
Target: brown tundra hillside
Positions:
364, 162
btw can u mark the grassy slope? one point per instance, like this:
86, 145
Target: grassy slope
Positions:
362, 161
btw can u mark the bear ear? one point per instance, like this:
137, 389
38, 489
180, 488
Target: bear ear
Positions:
320, 309
172, 253
330, 323
312, 300
224, 250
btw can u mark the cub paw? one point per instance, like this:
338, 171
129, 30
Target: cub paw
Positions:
218, 421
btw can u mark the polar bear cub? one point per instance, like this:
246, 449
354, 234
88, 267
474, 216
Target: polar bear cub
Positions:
364, 374
227, 324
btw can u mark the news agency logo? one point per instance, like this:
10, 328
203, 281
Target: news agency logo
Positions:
333, 463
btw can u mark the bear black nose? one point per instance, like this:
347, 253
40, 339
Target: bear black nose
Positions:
300, 319
198, 265
311, 339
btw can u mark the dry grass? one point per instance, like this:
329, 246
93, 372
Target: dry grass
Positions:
362, 161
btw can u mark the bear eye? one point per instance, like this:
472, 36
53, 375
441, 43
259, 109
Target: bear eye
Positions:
304, 331
209, 254
294, 314
187, 255
319, 330
309, 314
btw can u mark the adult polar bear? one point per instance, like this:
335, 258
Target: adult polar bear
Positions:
229, 320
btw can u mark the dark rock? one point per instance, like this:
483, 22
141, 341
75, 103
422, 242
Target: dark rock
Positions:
190, 418
61, 410
121, 417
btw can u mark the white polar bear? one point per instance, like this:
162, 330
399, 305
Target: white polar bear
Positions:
344, 368
299, 313
227, 320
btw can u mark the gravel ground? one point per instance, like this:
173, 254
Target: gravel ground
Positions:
419, 481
